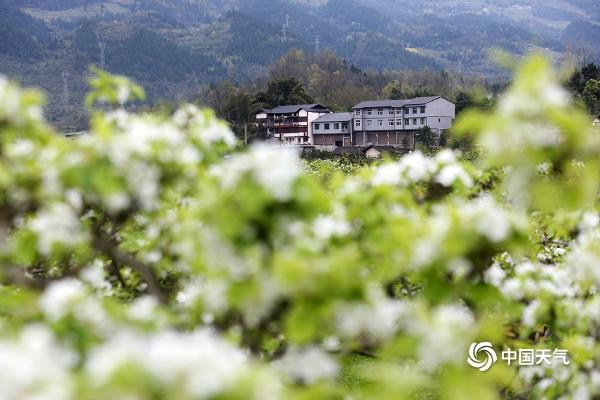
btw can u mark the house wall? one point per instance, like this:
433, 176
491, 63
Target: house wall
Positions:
327, 140
440, 114
312, 116
375, 118
402, 139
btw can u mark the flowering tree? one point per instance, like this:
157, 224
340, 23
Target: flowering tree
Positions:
151, 259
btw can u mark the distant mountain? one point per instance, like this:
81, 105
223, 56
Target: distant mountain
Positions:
22, 36
176, 47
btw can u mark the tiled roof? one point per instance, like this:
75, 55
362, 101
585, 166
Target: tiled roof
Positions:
396, 103
335, 117
293, 108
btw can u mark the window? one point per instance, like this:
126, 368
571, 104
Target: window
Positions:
369, 112
391, 112
357, 123
357, 112
380, 122
380, 111
398, 122
422, 110
439, 120
406, 121
326, 127
336, 125
399, 111
391, 122
414, 121
369, 122
414, 110
316, 127
424, 121
344, 127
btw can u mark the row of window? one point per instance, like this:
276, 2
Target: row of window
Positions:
326, 127
398, 122
392, 111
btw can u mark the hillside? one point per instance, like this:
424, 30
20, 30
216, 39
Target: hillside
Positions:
178, 47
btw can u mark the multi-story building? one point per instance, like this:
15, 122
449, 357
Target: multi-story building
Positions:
291, 124
332, 130
377, 123
394, 122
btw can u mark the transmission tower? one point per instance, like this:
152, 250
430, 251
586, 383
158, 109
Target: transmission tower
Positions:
286, 27
102, 47
65, 77
317, 45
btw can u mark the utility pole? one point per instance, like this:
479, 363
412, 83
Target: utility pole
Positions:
246, 133
65, 76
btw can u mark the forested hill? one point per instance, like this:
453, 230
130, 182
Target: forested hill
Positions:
176, 48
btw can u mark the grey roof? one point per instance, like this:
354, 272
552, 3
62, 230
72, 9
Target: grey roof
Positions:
293, 108
334, 117
396, 103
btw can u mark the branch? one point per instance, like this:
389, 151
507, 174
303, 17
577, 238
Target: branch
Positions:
111, 250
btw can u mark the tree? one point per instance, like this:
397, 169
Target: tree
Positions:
580, 78
426, 137
283, 91
154, 259
591, 96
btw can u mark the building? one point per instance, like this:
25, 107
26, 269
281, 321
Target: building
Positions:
332, 130
394, 122
377, 123
291, 124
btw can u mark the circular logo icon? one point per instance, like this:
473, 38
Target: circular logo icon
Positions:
484, 349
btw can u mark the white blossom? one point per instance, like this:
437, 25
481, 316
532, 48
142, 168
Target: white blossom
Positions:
274, 168
308, 365
452, 173
56, 224
203, 364
380, 318
444, 336
35, 367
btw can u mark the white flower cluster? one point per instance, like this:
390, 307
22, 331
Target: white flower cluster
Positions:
330, 226
57, 224
415, 167
378, 319
200, 363
70, 297
203, 127
528, 281
274, 168
14, 107
445, 335
308, 365
545, 380
583, 259
490, 219
35, 366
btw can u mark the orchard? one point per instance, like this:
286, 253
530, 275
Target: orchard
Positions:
157, 259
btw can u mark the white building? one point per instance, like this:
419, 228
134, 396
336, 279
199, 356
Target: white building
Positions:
291, 124
394, 122
332, 130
